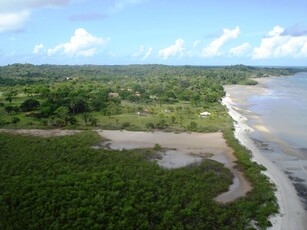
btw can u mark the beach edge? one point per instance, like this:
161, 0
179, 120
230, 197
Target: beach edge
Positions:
291, 211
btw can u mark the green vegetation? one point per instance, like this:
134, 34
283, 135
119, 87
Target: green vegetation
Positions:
63, 183
135, 97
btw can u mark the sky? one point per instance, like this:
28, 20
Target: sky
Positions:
182, 32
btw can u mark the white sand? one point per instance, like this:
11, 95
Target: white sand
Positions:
292, 214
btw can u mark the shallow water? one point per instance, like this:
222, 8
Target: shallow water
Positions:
283, 110
275, 112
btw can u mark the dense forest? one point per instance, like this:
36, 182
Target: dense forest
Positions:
63, 183
23, 74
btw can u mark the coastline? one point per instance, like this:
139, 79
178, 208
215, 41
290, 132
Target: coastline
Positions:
292, 213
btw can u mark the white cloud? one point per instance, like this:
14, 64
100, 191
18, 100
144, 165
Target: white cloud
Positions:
82, 43
276, 31
140, 52
13, 21
213, 49
15, 13
196, 43
240, 50
87, 53
16, 5
143, 52
276, 45
304, 50
173, 50
147, 54
38, 48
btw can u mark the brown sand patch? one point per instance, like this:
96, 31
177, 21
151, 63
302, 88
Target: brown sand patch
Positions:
185, 149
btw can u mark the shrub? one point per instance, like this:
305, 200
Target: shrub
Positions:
29, 105
126, 125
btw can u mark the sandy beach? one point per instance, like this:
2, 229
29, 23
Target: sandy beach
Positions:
183, 149
292, 213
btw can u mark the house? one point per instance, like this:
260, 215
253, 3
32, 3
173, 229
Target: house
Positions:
204, 114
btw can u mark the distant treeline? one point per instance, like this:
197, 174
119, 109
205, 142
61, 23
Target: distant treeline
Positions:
23, 74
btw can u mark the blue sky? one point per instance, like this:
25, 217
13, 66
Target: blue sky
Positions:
185, 32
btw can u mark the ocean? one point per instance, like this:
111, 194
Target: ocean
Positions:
282, 109
274, 113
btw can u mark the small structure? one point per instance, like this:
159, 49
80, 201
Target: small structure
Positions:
204, 114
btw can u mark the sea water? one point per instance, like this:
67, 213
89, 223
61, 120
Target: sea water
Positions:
283, 110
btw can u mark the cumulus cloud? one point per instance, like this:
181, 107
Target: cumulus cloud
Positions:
240, 50
173, 50
82, 43
213, 49
278, 44
143, 53
13, 21
15, 13
37, 49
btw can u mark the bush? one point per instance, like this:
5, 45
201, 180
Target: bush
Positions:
162, 124
15, 120
192, 126
126, 125
29, 105
2, 123
150, 125
57, 122
157, 147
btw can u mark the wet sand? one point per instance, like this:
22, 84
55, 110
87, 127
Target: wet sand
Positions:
292, 213
183, 149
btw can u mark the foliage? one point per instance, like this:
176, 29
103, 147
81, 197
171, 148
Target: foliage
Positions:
62, 183
157, 147
103, 91
29, 105
68, 185
15, 120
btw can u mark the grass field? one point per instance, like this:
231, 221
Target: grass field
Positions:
169, 117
